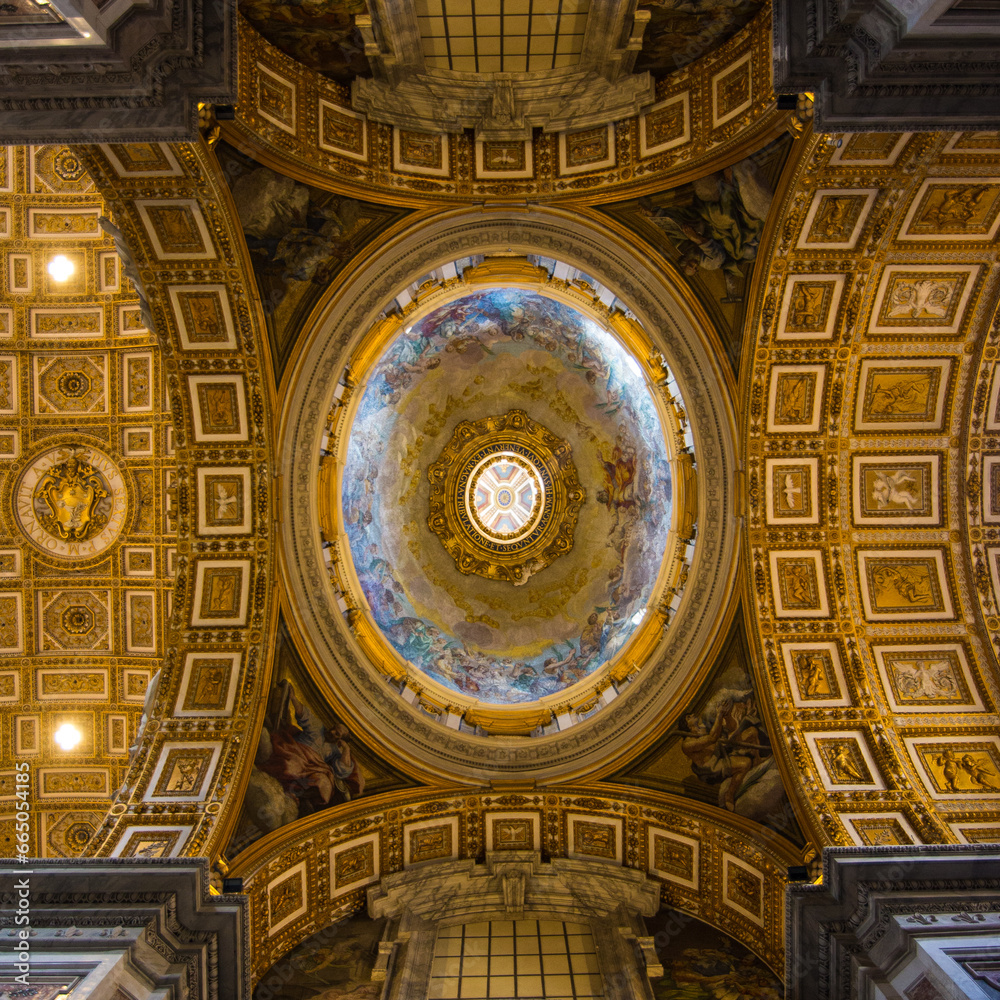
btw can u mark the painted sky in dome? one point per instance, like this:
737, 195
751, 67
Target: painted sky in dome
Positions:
482, 355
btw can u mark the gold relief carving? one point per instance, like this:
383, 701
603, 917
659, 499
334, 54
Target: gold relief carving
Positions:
75, 619
285, 897
71, 384
836, 218
744, 888
505, 497
877, 831
141, 158
131, 321
183, 772
949, 207
52, 684
598, 840
145, 500
809, 306
109, 272
47, 323
78, 782
815, 675
900, 394
45, 223
140, 620
139, 562
10, 625
136, 684
138, 381
674, 856
8, 682
150, 845
926, 677
732, 91
985, 834
9, 443
844, 761
203, 317
979, 142
71, 502
139, 441
176, 229
421, 149
961, 768
795, 398
221, 595
504, 156
798, 583
791, 487
903, 585
431, 842
666, 124
589, 145
896, 489
219, 405
117, 734
27, 734
875, 146
276, 99
209, 684
225, 500
21, 273
513, 834
339, 130
69, 835
355, 864
8, 385
932, 298
6, 315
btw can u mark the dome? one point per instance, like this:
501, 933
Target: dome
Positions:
507, 494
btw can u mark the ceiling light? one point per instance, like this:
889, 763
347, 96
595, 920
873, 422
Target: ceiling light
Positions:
61, 267
67, 736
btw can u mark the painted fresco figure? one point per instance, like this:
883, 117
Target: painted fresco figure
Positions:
313, 763
720, 229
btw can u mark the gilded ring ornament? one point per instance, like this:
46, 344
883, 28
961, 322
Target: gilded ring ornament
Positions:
505, 497
71, 502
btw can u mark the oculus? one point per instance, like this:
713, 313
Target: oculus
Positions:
71, 502
505, 497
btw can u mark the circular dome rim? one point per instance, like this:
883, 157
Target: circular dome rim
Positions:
686, 337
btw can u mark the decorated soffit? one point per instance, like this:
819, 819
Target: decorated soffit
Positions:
182, 421
713, 866
88, 534
869, 401
705, 116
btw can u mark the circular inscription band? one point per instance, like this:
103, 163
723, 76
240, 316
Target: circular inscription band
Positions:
505, 497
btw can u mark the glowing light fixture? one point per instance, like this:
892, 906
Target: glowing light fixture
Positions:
67, 736
61, 267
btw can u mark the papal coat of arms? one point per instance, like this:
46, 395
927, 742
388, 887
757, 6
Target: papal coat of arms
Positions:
68, 499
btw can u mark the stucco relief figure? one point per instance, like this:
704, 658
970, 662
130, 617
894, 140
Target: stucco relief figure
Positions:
719, 230
728, 746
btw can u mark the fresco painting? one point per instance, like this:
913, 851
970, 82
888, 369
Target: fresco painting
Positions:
480, 355
718, 751
299, 238
681, 31
333, 964
321, 35
702, 963
307, 760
